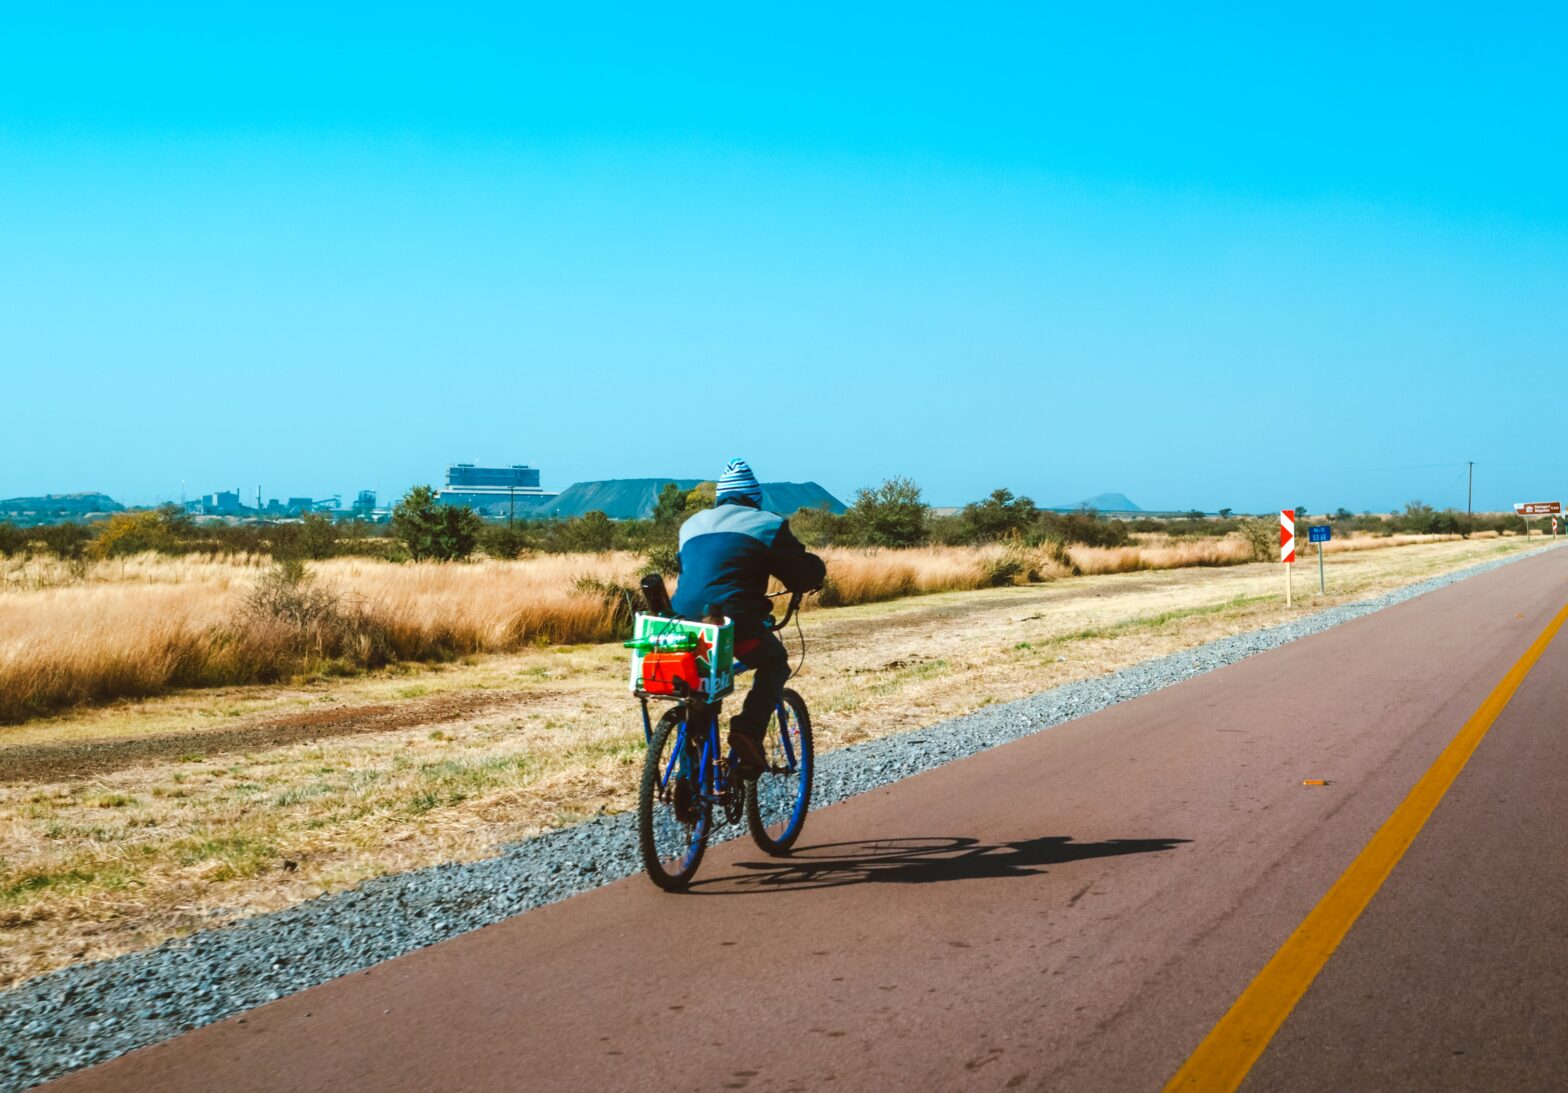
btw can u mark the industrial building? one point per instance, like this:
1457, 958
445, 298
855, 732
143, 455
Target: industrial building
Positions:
494, 490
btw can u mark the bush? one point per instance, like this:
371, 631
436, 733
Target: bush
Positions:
287, 593
591, 532
818, 527
1262, 538
500, 541
315, 537
1085, 527
889, 515
664, 560
999, 516
135, 533
445, 533
14, 540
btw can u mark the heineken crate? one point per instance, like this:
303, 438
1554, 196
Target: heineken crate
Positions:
715, 650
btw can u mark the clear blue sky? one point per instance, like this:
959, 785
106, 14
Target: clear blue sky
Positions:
1236, 258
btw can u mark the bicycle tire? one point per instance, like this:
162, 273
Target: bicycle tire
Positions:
675, 872
776, 822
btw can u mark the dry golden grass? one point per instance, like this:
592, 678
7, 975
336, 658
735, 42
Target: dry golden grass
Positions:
75, 634
97, 865
79, 634
1162, 553
1159, 551
857, 576
1378, 542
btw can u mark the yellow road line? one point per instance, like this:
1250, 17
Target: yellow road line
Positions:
1227, 1053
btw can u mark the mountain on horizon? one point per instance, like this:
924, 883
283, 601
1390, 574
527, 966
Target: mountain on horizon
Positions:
635, 498
1101, 502
62, 504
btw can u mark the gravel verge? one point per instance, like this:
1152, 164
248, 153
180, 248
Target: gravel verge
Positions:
89, 1013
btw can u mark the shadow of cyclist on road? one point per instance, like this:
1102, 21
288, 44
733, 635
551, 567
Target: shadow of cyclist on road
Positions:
915, 861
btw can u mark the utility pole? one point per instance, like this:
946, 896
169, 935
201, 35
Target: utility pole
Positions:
1470, 502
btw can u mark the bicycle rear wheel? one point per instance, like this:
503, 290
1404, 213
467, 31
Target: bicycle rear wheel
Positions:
672, 823
777, 801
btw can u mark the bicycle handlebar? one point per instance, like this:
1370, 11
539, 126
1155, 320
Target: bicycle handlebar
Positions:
789, 612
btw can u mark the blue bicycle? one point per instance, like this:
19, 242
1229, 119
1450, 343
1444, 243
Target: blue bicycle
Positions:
688, 781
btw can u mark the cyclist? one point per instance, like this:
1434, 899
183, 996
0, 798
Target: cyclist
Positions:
727, 554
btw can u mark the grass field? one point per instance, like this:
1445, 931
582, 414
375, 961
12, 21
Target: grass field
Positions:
122, 826
84, 633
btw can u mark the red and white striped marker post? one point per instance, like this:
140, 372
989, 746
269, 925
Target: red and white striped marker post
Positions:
1287, 545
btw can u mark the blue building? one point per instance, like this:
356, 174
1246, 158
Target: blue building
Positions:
494, 490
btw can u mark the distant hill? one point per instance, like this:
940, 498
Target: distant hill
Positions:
61, 504
635, 498
1101, 502
617, 498
788, 498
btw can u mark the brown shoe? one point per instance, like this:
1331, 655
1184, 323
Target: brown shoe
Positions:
750, 759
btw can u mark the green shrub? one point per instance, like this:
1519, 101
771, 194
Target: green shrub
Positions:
999, 516
432, 530
500, 541
889, 515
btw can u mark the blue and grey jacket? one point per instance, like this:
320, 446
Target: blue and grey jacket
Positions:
728, 553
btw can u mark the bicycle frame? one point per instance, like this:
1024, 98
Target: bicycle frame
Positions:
712, 782
708, 792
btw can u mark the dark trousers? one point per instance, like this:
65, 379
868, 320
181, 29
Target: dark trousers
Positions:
771, 663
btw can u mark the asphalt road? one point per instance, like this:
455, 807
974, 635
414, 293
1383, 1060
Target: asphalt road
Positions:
1073, 911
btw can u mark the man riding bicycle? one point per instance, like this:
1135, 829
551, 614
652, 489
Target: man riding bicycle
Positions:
727, 554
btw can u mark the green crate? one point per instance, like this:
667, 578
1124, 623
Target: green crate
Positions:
715, 651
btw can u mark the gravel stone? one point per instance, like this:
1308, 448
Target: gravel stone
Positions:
55, 1023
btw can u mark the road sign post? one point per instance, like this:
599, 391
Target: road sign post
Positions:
1287, 545
1527, 509
1320, 535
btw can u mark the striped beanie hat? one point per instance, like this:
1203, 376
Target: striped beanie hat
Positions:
737, 481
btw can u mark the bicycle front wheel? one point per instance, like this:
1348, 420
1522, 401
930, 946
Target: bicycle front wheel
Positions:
672, 821
777, 801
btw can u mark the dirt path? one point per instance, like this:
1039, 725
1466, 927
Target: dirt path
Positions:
85, 759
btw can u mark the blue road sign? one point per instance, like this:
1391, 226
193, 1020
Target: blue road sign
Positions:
1318, 534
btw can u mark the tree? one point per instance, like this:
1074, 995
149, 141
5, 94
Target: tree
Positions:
998, 516
891, 514
430, 529
1225, 514
670, 507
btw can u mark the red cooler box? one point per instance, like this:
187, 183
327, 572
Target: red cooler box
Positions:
661, 670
